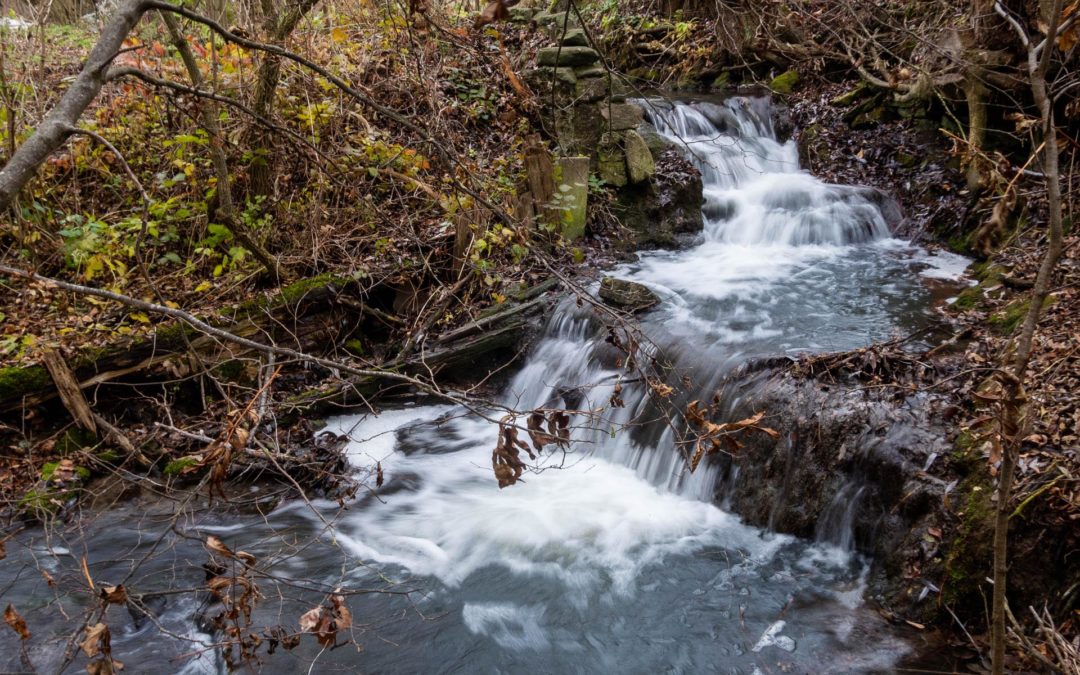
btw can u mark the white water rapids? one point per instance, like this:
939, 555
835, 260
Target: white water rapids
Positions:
612, 558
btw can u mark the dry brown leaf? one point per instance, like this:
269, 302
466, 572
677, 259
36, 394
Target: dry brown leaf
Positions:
116, 595
97, 640
344, 616
310, 619
215, 545
16, 622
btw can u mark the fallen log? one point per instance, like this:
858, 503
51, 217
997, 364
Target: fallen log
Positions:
309, 316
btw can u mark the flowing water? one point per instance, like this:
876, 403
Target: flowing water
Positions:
612, 558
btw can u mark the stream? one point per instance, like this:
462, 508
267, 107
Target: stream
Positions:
612, 557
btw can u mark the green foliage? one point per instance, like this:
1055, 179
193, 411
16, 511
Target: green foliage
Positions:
473, 94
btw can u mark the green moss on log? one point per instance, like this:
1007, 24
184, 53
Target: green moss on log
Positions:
16, 382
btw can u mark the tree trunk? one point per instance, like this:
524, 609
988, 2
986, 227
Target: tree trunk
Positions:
208, 110
280, 26
55, 129
1012, 421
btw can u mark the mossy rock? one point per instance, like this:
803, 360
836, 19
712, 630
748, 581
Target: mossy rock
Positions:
785, 83
40, 501
850, 98
969, 298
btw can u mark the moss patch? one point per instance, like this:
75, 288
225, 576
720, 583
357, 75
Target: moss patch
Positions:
1009, 319
971, 549
16, 382
785, 83
175, 467
40, 501
49, 470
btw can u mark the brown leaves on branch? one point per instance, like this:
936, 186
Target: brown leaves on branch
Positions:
545, 427
16, 622
496, 10
238, 595
327, 620
98, 646
713, 438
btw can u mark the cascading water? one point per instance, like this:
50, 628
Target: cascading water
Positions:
613, 557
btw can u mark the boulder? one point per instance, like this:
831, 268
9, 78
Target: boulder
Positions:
622, 116
653, 139
785, 83
591, 71
591, 89
662, 211
628, 295
639, 160
572, 57
575, 37
521, 14
611, 162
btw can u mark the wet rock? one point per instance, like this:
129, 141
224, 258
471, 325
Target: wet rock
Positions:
666, 208
783, 127
567, 56
639, 160
656, 143
622, 116
627, 295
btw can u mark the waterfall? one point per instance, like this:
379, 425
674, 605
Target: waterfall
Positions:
755, 194
764, 219
837, 525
